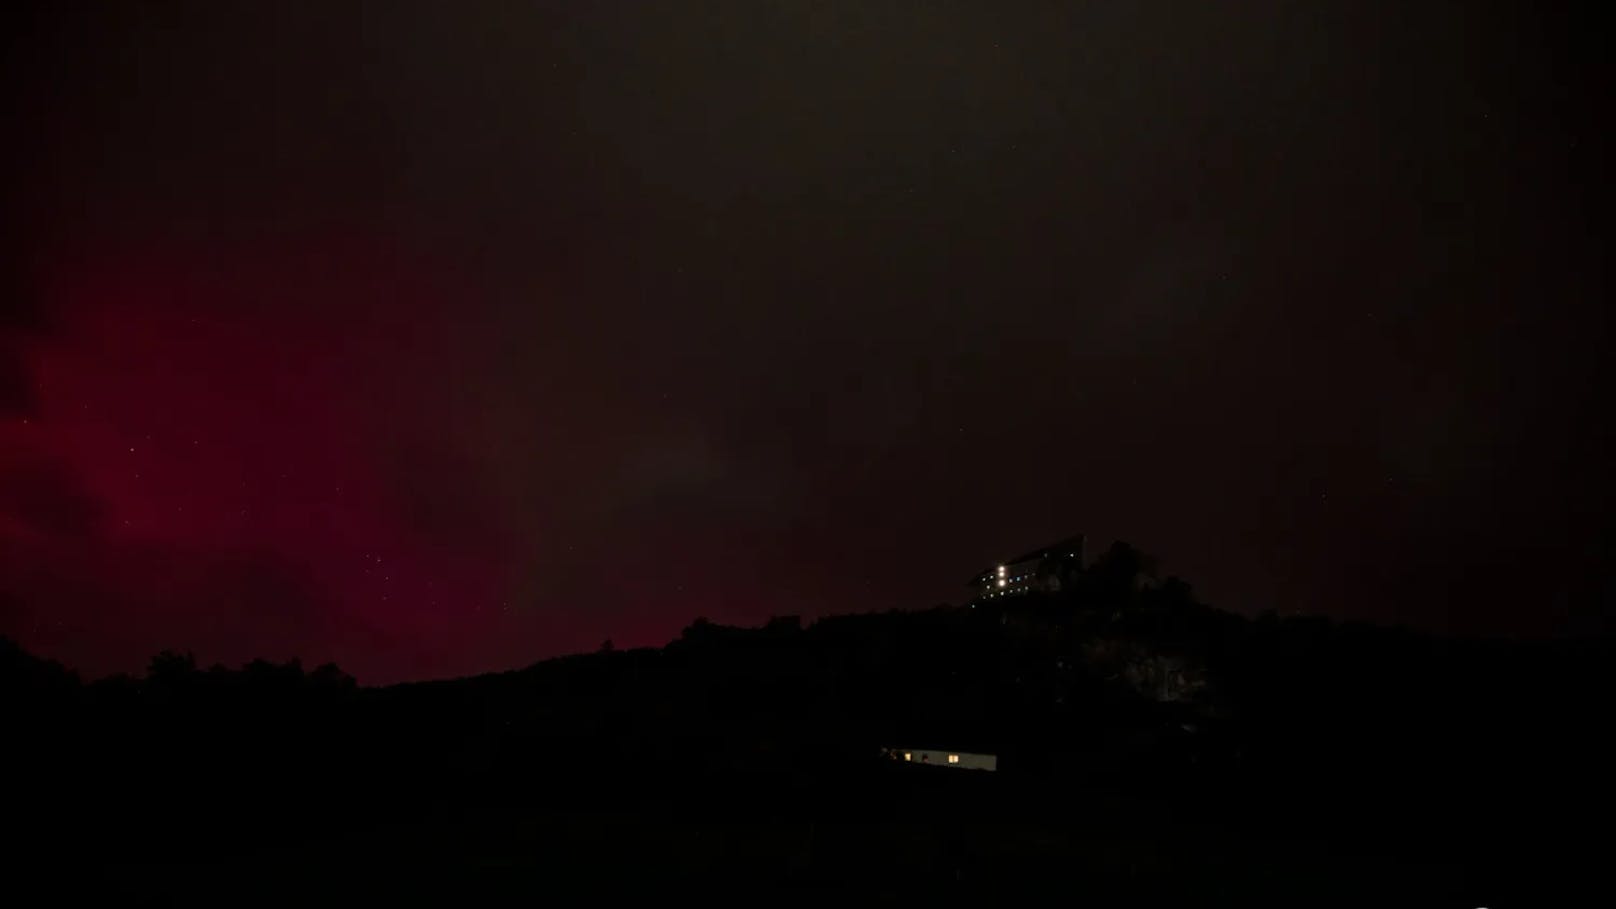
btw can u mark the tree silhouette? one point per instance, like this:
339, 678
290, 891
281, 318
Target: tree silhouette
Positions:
1119, 572
172, 667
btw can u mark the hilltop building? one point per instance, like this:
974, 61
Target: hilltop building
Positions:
958, 760
1053, 568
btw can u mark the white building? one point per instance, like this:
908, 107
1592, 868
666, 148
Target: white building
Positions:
1048, 569
959, 760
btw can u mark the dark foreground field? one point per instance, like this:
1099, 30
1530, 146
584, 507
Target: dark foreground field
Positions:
1161, 754
899, 835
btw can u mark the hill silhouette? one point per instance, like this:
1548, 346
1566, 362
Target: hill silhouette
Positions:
1149, 747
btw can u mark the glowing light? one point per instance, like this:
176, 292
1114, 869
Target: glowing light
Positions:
953, 759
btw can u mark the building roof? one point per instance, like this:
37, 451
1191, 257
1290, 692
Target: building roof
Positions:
1071, 544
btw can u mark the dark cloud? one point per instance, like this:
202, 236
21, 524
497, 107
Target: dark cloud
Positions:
21, 317
601, 320
46, 498
108, 605
16, 398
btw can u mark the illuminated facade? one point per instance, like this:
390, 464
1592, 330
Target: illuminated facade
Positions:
958, 760
1047, 570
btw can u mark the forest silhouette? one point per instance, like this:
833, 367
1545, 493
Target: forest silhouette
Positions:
1148, 746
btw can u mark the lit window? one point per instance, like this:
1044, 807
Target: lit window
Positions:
907, 756
953, 759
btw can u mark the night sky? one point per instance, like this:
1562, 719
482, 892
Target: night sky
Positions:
434, 338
